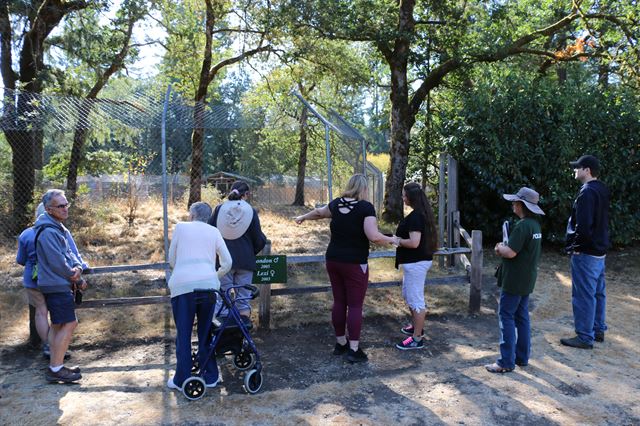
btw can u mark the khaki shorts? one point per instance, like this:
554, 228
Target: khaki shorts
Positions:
35, 297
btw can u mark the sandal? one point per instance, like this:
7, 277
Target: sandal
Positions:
496, 368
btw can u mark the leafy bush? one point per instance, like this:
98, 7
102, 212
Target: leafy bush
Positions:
517, 132
95, 163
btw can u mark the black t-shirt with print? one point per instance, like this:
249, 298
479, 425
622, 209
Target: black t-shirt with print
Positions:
349, 243
414, 222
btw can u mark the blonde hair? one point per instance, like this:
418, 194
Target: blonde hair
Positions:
356, 187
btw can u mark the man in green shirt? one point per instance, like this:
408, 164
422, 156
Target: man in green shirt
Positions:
517, 277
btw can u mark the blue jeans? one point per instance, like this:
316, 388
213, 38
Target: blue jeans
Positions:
588, 296
515, 330
236, 277
185, 309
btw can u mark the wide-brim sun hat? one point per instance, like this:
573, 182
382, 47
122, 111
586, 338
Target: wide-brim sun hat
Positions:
528, 196
234, 218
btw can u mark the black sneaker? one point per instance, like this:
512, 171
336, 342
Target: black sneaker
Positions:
64, 375
408, 330
340, 349
599, 337
357, 356
575, 342
410, 343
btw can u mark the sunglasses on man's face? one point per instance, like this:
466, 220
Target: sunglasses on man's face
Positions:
61, 206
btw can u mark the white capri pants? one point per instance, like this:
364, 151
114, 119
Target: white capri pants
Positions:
413, 278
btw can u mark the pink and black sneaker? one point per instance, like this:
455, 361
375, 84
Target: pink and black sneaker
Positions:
410, 343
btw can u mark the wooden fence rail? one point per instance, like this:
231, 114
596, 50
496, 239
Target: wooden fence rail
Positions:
473, 267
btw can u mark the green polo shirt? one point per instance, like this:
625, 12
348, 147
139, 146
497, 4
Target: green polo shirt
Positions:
519, 274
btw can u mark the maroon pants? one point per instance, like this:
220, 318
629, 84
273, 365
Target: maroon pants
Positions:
349, 286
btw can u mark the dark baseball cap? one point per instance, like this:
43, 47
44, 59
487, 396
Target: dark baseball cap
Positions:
586, 161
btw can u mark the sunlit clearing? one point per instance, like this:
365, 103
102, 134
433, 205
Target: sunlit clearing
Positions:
564, 279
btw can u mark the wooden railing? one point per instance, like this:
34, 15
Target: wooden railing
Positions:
471, 257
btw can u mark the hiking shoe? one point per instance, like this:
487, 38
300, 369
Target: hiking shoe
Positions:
410, 343
74, 369
357, 356
172, 385
599, 337
340, 349
64, 375
408, 330
575, 342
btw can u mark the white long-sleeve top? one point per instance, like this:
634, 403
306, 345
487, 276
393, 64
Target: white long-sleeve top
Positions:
192, 256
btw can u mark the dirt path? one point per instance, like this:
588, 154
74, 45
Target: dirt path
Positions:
125, 368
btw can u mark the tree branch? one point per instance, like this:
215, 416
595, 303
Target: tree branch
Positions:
436, 76
229, 61
9, 77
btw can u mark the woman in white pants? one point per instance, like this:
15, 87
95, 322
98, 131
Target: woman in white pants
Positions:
417, 242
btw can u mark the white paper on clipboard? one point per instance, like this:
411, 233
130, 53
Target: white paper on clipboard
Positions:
505, 232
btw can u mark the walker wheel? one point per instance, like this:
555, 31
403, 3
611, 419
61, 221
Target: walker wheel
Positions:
244, 360
195, 364
194, 388
253, 381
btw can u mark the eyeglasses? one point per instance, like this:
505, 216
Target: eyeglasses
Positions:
61, 206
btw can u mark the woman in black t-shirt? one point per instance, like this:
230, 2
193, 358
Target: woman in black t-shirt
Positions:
353, 225
417, 233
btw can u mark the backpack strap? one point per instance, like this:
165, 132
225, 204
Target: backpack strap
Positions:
42, 228
34, 274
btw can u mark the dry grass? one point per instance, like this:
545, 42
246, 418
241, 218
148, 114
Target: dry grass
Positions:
127, 355
104, 237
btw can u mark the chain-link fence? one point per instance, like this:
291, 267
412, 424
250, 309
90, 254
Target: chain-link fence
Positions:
111, 149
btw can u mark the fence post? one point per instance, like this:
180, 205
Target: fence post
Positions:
454, 242
264, 312
475, 292
441, 206
452, 204
34, 337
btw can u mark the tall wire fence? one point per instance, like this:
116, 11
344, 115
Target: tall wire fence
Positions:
111, 149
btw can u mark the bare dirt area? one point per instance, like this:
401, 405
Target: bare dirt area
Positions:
127, 354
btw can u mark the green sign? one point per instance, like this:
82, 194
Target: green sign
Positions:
270, 269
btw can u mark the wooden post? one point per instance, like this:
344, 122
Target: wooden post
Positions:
455, 238
264, 312
475, 292
452, 203
34, 337
441, 206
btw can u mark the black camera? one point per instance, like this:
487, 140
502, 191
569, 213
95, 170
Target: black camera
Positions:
78, 292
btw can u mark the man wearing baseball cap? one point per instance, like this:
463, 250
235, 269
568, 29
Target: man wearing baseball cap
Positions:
517, 277
587, 242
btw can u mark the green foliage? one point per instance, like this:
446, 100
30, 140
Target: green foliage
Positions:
95, 163
519, 131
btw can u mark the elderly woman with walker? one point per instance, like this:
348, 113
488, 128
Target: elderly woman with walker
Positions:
195, 245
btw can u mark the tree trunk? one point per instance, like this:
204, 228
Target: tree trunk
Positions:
401, 123
197, 148
22, 143
402, 116
303, 144
80, 134
31, 62
79, 138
